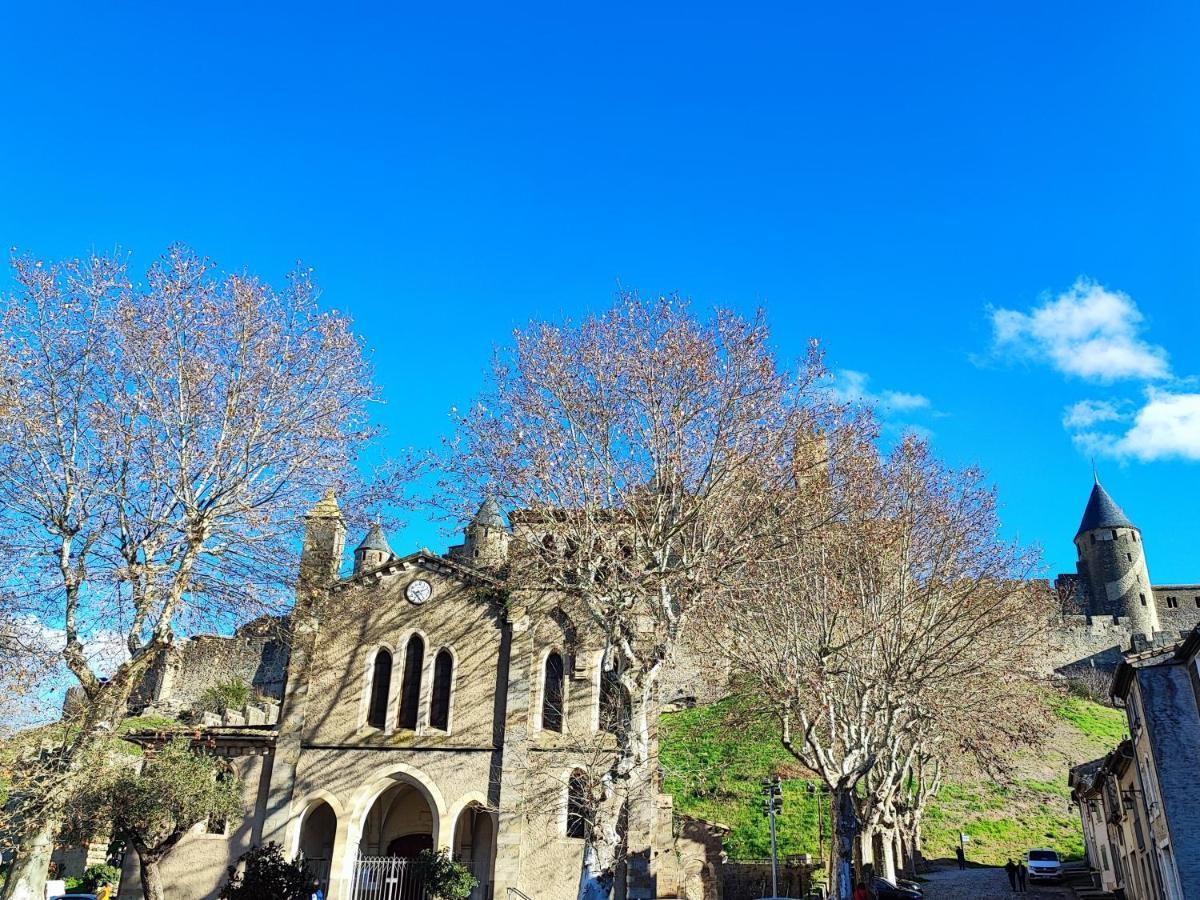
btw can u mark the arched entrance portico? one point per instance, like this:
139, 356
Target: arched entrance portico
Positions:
393, 817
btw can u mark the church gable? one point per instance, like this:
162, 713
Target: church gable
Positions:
407, 655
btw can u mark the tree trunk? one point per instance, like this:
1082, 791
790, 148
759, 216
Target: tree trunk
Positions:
898, 841
629, 795
845, 834
27, 876
886, 867
152, 887
915, 855
596, 878
35, 838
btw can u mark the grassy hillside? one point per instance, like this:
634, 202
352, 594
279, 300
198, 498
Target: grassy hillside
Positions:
715, 757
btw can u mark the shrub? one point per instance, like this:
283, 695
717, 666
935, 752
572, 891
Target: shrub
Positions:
225, 696
266, 875
444, 878
95, 877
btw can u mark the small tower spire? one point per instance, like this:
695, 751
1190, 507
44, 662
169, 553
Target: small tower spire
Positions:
487, 536
374, 549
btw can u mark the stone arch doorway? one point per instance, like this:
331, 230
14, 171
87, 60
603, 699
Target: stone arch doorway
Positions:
474, 845
400, 818
398, 825
318, 829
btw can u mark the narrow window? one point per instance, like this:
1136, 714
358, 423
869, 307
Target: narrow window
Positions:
1198, 603
381, 680
410, 690
1114, 531
1129, 557
1093, 537
578, 813
439, 704
1172, 603
614, 704
552, 693
1143, 596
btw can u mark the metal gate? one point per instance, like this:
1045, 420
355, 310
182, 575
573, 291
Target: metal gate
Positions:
387, 878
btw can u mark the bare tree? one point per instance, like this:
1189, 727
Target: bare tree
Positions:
887, 626
158, 443
641, 449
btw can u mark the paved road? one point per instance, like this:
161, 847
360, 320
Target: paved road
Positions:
985, 884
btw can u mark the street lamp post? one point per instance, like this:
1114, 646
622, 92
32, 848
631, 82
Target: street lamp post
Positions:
773, 803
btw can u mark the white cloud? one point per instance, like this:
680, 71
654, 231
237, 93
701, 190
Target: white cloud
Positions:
1086, 413
850, 386
1087, 331
1167, 427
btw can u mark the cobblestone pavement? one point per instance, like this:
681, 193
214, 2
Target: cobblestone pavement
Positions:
985, 884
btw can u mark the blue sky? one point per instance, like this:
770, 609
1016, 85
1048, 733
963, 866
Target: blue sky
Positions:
921, 186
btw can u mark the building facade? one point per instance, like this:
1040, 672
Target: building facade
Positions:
425, 709
1146, 793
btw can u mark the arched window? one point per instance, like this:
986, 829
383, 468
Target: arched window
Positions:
614, 704
578, 810
410, 689
381, 680
443, 678
552, 693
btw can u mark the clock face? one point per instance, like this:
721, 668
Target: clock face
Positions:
418, 591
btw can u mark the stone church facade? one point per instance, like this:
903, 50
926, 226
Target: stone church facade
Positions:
422, 709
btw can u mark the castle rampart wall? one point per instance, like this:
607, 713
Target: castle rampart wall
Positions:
256, 653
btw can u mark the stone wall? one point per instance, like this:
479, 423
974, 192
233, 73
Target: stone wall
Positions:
257, 653
692, 677
1178, 607
748, 880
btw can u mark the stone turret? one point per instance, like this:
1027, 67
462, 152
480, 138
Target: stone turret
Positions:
324, 543
487, 537
373, 551
1112, 564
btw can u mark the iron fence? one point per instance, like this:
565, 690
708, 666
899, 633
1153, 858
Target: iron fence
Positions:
387, 878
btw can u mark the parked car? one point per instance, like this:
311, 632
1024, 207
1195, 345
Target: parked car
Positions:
1043, 865
73, 897
886, 890
905, 885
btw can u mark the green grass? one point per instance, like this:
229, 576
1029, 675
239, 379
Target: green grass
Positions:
1104, 724
715, 757
1003, 820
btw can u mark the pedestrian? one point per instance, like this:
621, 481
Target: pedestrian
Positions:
1022, 874
861, 892
1010, 869
317, 893
962, 857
